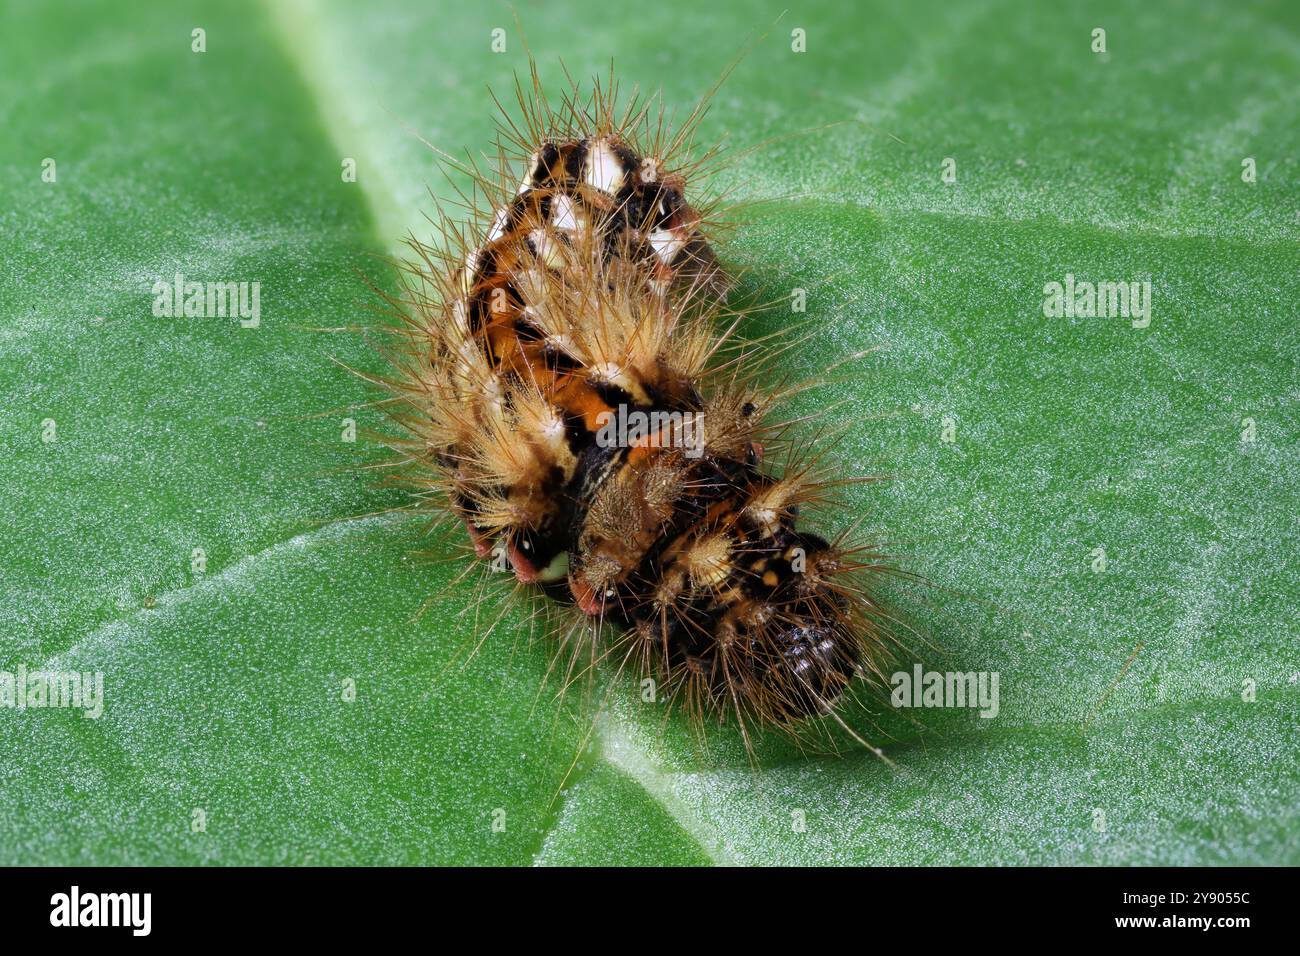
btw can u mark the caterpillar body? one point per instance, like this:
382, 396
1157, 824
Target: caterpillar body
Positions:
582, 299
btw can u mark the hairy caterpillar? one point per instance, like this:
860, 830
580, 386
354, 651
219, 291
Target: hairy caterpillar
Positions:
572, 388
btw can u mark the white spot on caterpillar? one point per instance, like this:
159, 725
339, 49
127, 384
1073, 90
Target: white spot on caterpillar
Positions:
561, 343
765, 517
470, 275
603, 168
557, 569
546, 249
498, 226
562, 213
666, 244
527, 182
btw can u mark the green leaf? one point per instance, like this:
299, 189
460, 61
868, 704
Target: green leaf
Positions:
283, 700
